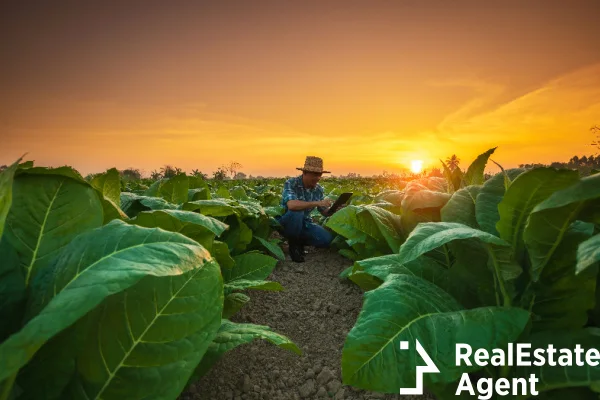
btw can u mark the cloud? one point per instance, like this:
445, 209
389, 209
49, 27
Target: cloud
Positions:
551, 120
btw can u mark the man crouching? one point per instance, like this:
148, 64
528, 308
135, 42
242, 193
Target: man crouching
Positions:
300, 197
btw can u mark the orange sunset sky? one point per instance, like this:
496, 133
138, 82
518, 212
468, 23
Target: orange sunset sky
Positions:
367, 85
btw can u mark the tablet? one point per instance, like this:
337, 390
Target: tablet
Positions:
341, 200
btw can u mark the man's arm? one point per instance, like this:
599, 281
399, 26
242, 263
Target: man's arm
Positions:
299, 205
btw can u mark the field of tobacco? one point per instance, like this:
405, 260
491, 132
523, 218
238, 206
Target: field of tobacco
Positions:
126, 290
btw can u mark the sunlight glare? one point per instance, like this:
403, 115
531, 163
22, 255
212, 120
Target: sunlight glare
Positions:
416, 166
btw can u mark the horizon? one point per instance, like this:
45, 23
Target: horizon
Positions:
368, 87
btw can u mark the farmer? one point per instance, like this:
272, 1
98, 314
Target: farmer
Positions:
300, 197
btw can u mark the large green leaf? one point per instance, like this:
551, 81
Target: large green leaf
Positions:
232, 335
490, 195
474, 175
239, 193
220, 251
174, 190
370, 229
213, 208
238, 236
250, 266
233, 303
588, 253
453, 177
161, 327
344, 222
391, 196
93, 266
65, 171
524, 193
557, 377
196, 226
48, 373
112, 211
562, 298
152, 191
133, 204
434, 183
244, 284
249, 208
12, 290
382, 267
198, 194
416, 198
461, 207
379, 223
421, 205
429, 236
261, 226
6, 184
50, 208
223, 192
550, 219
197, 182
109, 185
472, 282
405, 307
272, 246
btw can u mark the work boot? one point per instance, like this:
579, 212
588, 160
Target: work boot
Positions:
301, 244
296, 251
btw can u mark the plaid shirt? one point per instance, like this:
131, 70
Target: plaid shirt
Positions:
293, 189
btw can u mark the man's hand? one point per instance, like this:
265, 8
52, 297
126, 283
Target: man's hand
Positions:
324, 203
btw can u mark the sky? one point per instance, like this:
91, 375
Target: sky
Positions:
368, 86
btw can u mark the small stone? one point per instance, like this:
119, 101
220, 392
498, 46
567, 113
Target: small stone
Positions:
281, 384
275, 374
309, 374
317, 305
229, 395
334, 385
317, 368
238, 398
322, 392
339, 395
325, 376
307, 389
377, 395
257, 388
246, 386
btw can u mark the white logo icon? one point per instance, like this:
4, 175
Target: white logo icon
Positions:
430, 367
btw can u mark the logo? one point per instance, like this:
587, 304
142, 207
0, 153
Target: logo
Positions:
430, 368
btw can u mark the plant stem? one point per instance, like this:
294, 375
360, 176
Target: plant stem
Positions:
7, 386
496, 290
507, 301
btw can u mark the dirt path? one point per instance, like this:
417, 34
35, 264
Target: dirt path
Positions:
316, 310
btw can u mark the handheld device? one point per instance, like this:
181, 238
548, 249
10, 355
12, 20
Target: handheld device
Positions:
341, 200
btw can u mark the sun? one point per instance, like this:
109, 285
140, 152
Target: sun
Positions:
416, 166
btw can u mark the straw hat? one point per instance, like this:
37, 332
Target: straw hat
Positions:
313, 164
